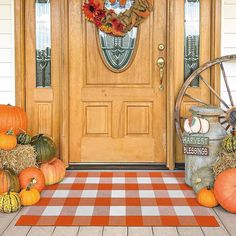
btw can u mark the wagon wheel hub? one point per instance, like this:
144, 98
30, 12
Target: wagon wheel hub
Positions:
231, 116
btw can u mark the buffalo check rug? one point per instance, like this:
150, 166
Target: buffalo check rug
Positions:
118, 199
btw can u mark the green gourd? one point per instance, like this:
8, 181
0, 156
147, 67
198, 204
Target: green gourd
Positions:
23, 138
10, 202
229, 144
45, 148
201, 178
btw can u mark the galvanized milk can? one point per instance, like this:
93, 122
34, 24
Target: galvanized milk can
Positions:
215, 134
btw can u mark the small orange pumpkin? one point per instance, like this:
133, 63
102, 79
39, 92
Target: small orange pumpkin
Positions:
8, 140
29, 196
206, 197
54, 171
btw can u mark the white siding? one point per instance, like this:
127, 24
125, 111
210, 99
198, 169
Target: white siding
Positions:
229, 45
7, 74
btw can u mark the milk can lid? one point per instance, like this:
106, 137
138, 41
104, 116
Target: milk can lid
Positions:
206, 110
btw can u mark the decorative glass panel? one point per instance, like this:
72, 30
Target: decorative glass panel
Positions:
117, 52
43, 43
192, 39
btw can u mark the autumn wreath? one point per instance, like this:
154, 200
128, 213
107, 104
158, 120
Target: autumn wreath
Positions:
118, 25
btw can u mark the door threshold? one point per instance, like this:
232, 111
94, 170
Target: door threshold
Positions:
122, 166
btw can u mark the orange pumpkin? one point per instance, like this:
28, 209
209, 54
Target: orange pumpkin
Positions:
29, 196
206, 197
12, 118
54, 171
34, 176
225, 191
8, 181
8, 140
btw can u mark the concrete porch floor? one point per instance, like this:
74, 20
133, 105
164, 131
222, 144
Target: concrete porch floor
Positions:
226, 220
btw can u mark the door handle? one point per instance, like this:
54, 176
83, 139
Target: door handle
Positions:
161, 64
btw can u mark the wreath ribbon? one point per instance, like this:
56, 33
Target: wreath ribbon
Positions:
117, 24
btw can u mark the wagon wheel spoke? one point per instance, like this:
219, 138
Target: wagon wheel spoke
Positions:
222, 117
226, 83
228, 126
215, 93
223, 122
196, 99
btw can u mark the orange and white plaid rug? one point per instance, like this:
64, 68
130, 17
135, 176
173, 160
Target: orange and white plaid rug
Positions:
118, 199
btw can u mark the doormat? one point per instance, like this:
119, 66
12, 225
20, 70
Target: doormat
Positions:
118, 199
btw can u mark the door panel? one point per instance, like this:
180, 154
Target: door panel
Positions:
116, 117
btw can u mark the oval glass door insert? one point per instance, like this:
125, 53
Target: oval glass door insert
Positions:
118, 52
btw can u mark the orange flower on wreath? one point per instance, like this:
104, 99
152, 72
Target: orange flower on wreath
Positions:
91, 8
117, 27
98, 17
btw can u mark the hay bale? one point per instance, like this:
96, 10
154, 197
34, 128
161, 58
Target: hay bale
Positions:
225, 161
19, 158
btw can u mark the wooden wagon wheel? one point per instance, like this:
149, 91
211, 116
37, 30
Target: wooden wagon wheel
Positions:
229, 117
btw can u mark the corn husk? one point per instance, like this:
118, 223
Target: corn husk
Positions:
225, 161
18, 159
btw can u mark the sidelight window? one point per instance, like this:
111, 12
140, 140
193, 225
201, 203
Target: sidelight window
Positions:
192, 39
43, 43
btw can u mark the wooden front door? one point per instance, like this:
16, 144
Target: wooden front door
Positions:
116, 117
93, 113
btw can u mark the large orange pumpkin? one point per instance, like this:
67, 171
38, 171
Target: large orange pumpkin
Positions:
8, 181
32, 175
54, 171
225, 191
12, 118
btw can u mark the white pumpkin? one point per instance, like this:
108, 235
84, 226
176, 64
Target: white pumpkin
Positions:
192, 125
205, 126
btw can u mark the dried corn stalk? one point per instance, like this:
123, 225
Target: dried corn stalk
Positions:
224, 162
